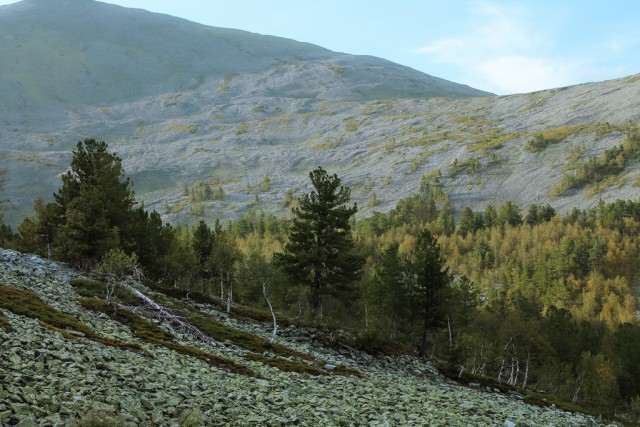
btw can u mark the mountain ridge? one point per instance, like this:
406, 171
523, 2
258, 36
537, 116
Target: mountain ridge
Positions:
234, 130
79, 53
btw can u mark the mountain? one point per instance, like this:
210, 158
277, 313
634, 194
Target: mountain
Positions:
79, 53
186, 105
64, 363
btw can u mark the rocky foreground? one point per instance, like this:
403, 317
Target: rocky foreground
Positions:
47, 379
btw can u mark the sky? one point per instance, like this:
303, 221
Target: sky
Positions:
500, 46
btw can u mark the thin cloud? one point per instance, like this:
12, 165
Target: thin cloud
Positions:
504, 52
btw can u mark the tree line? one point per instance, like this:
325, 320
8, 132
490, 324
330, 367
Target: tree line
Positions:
530, 298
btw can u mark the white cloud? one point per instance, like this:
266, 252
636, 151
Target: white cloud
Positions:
518, 74
505, 52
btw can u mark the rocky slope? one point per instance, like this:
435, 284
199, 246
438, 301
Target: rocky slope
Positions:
49, 379
256, 121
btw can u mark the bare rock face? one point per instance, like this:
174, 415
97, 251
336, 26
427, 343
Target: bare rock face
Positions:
185, 104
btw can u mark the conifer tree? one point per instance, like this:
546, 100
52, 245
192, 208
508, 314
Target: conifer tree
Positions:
94, 205
431, 279
319, 252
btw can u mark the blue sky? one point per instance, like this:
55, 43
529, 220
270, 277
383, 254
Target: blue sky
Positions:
500, 46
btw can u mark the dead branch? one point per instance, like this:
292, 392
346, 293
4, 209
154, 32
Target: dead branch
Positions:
154, 311
273, 314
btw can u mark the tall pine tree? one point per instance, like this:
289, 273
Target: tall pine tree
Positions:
319, 253
431, 280
94, 205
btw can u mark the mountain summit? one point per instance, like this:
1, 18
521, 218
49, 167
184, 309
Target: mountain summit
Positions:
81, 52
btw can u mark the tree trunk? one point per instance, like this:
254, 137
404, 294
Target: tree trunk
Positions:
423, 341
273, 314
314, 296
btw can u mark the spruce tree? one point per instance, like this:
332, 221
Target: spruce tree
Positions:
94, 205
430, 282
319, 252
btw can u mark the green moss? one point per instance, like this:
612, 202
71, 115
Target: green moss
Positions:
26, 303
220, 332
4, 323
286, 365
245, 340
153, 334
248, 314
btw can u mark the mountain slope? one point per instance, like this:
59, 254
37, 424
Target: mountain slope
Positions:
75, 53
274, 109
54, 376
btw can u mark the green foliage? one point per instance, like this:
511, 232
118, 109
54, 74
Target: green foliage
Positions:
288, 198
427, 287
509, 214
374, 201
539, 141
38, 235
242, 128
117, 264
201, 191
94, 213
471, 165
536, 144
265, 185
319, 251
286, 365
6, 235
351, 125
595, 170
94, 204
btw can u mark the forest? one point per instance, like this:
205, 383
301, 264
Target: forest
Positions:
524, 296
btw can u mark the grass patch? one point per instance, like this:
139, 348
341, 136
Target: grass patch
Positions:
600, 169
220, 332
182, 128
153, 334
540, 140
27, 303
494, 139
246, 314
351, 125
286, 365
